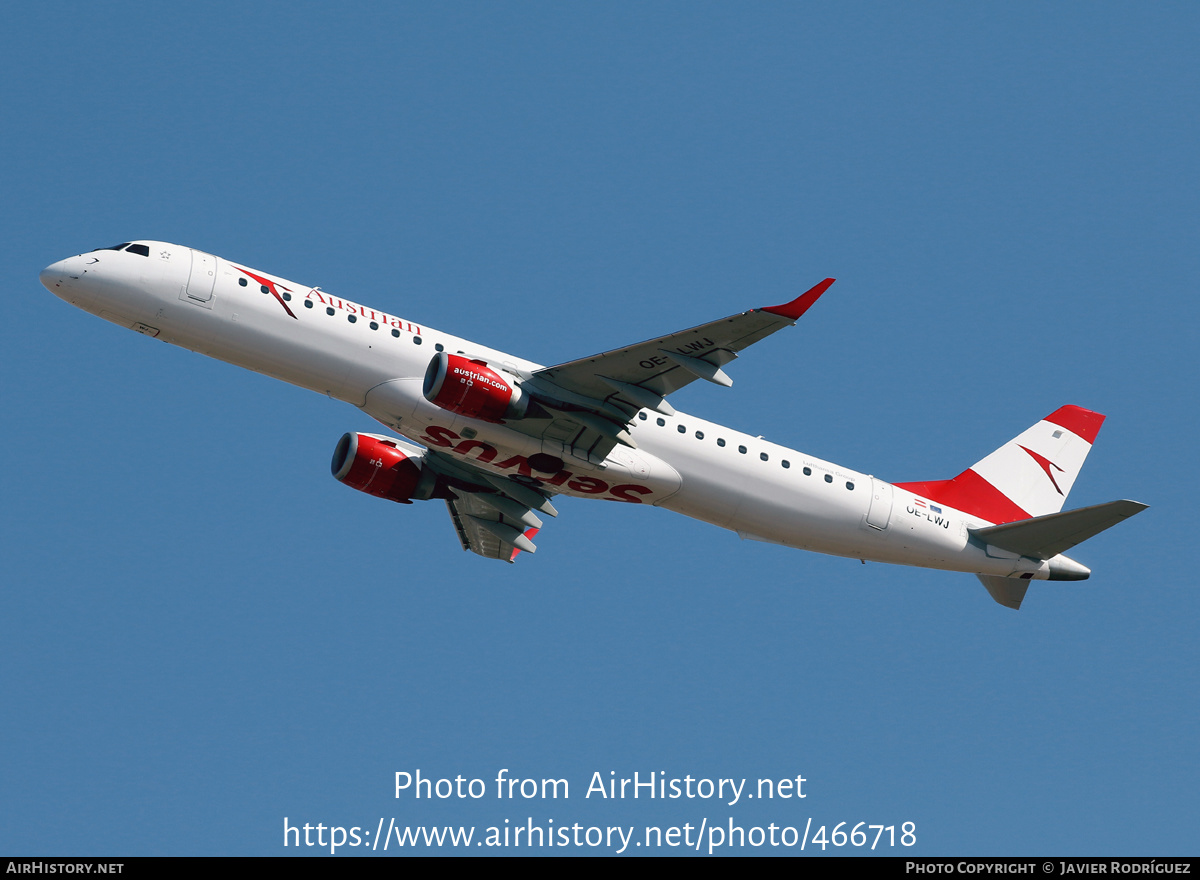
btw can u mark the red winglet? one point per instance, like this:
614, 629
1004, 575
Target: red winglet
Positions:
529, 533
1078, 420
802, 303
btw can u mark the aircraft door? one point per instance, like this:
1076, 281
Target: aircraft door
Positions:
203, 277
880, 512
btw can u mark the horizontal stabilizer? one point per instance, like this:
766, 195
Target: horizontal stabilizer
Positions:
1044, 537
1009, 592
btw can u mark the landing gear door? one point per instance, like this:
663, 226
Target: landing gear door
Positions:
201, 279
881, 504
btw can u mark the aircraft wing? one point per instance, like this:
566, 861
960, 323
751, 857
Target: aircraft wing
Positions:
484, 530
589, 401
494, 516
660, 366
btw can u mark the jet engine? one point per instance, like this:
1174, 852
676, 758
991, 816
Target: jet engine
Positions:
471, 388
379, 466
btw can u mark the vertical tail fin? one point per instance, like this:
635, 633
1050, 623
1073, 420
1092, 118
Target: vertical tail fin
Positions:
1028, 476
1009, 592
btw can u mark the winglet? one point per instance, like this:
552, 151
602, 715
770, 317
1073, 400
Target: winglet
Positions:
800, 304
530, 534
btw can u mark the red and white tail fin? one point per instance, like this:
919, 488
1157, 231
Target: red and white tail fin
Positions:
1028, 476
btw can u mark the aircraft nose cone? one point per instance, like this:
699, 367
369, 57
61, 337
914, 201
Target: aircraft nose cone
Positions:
64, 279
53, 277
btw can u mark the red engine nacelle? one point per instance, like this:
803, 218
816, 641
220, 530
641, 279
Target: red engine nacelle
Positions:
471, 388
375, 465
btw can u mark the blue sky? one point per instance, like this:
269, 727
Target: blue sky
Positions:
203, 633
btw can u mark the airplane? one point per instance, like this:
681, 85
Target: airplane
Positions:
496, 437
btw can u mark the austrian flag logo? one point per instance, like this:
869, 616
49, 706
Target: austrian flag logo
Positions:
1045, 465
270, 287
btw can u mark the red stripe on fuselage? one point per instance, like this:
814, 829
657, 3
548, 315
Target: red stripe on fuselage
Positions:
972, 494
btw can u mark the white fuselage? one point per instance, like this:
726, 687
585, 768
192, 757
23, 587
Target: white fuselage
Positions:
376, 361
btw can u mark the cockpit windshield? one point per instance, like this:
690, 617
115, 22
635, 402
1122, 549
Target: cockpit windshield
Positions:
142, 249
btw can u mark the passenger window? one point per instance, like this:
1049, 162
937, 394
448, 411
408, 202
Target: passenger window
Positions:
242, 281
720, 441
786, 463
287, 297
808, 472
416, 340
850, 486
396, 333
829, 478
699, 435
682, 429
642, 416
660, 422
439, 347
352, 318
742, 450
329, 310
374, 326
308, 304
